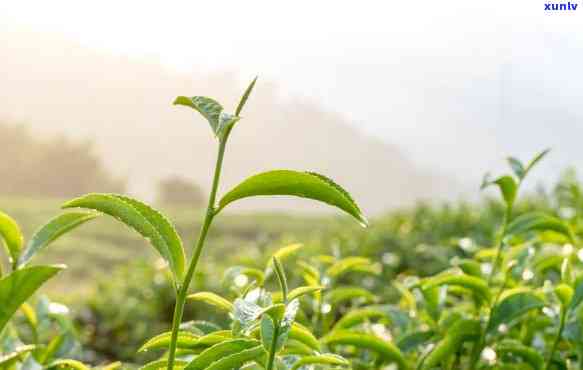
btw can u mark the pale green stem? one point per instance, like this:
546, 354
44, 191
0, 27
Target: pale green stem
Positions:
183, 289
271, 360
558, 337
477, 351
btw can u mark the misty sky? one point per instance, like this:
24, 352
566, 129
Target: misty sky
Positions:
456, 84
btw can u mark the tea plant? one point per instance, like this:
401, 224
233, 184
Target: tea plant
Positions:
516, 305
162, 235
49, 330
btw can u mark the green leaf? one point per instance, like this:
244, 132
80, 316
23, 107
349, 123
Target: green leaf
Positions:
53, 230
267, 332
304, 335
298, 292
237, 360
10, 358
517, 167
508, 188
537, 158
275, 311
346, 265
347, 293
186, 340
245, 313
358, 316
293, 183
461, 331
476, 285
245, 96
517, 349
539, 221
387, 350
564, 293
512, 307
163, 364
281, 278
283, 253
68, 364
412, 341
209, 108
148, 222
212, 339
219, 351
326, 359
18, 286
212, 299
578, 294
113, 366
11, 235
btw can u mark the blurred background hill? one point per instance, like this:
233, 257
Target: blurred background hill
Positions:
123, 106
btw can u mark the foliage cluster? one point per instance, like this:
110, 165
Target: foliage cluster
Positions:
513, 302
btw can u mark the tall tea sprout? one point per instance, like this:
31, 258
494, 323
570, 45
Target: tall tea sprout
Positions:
503, 307
161, 233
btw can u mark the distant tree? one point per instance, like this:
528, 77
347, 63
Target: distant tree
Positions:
177, 190
56, 166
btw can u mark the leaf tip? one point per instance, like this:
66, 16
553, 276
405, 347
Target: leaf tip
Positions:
182, 100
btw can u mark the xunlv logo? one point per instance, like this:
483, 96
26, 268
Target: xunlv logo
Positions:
561, 6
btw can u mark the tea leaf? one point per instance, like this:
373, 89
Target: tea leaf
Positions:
212, 299
298, 292
293, 183
220, 350
387, 350
68, 364
537, 158
8, 359
281, 278
237, 360
163, 364
304, 335
358, 316
513, 307
517, 349
140, 217
508, 188
209, 108
245, 96
323, 359
346, 293
53, 230
212, 338
413, 340
564, 293
539, 221
461, 331
18, 286
166, 230
112, 366
475, 284
186, 340
267, 332
517, 167
11, 235
578, 294
285, 252
346, 265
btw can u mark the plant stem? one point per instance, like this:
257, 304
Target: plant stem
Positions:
271, 360
479, 346
500, 243
183, 289
558, 337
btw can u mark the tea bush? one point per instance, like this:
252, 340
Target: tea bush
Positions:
504, 299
